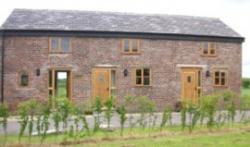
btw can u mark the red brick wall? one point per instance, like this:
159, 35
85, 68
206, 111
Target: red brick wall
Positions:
162, 56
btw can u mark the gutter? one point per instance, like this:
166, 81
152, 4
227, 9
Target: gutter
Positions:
110, 34
2, 62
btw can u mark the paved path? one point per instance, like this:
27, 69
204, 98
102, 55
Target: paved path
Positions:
13, 125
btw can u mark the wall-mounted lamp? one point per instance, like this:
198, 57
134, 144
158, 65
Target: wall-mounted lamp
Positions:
125, 72
207, 73
38, 72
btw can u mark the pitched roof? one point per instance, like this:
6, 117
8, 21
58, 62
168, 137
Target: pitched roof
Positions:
67, 20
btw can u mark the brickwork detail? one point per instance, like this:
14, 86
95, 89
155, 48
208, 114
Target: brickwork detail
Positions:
162, 56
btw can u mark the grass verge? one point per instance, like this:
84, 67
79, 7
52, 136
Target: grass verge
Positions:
235, 136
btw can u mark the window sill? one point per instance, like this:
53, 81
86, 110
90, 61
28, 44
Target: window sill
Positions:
25, 87
60, 53
211, 56
220, 86
123, 53
142, 86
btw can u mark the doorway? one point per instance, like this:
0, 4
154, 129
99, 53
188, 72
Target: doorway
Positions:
103, 83
60, 83
191, 84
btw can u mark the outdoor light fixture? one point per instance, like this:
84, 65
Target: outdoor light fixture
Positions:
125, 72
207, 73
38, 72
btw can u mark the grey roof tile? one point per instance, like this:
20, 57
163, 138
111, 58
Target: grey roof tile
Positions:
67, 20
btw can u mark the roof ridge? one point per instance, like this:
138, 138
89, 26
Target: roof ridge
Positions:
118, 13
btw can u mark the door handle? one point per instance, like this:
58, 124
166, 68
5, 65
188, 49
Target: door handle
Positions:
108, 88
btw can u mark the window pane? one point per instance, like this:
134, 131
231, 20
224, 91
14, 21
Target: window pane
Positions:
146, 81
146, 72
212, 51
113, 78
134, 45
217, 74
65, 44
205, 48
126, 45
189, 79
54, 44
223, 74
138, 72
24, 80
205, 51
138, 81
223, 82
217, 81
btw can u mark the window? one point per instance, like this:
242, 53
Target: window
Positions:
220, 77
130, 46
113, 83
24, 79
60, 45
209, 49
143, 77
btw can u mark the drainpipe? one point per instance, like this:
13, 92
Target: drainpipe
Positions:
2, 62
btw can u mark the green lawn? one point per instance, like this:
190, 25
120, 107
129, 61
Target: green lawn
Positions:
62, 88
236, 136
238, 139
245, 91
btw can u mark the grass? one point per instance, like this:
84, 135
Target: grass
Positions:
236, 136
245, 91
62, 88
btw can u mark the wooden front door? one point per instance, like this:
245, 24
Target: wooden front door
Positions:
191, 84
101, 83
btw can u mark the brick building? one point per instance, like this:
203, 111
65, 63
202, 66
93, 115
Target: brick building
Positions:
165, 57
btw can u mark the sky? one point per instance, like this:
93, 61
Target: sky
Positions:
235, 13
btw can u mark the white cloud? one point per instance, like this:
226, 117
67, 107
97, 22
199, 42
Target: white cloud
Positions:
235, 13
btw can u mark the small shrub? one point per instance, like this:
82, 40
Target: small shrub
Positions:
23, 114
64, 106
122, 113
56, 117
32, 111
85, 124
27, 110
246, 82
221, 119
244, 107
166, 117
87, 107
45, 121
78, 112
71, 131
39, 109
209, 105
130, 107
183, 115
109, 104
4, 114
97, 106
193, 111
145, 105
229, 102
